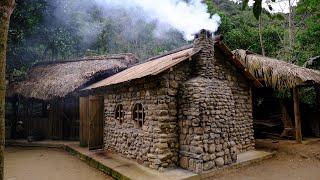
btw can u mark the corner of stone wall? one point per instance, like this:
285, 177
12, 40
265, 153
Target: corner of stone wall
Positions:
207, 125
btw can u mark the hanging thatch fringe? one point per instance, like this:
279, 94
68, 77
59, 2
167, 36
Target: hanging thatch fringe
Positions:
276, 73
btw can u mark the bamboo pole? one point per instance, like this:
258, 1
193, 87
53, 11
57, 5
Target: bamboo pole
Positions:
297, 116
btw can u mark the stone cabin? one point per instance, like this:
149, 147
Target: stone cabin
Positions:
190, 108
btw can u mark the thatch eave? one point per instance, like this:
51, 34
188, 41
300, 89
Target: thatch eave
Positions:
276, 73
52, 80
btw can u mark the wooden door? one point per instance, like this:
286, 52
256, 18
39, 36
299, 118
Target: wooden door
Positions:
84, 120
96, 107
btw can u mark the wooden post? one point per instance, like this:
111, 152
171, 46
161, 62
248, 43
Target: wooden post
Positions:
288, 129
317, 89
297, 116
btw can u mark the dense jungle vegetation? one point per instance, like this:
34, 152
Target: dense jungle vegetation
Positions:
36, 34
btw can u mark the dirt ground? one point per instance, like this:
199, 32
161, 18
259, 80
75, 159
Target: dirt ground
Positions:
46, 164
293, 161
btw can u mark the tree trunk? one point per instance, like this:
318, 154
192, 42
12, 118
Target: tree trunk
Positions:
6, 9
291, 35
260, 35
290, 23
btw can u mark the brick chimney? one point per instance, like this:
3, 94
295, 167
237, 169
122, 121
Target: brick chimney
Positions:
204, 42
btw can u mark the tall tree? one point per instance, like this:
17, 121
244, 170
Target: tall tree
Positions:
290, 26
261, 37
308, 30
257, 11
6, 9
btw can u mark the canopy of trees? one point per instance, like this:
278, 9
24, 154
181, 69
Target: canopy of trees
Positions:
36, 34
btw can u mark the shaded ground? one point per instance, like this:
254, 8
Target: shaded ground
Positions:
293, 161
46, 164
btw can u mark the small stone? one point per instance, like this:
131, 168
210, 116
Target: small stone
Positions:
199, 167
162, 145
220, 154
157, 162
184, 162
212, 148
304, 156
218, 147
206, 157
219, 161
208, 165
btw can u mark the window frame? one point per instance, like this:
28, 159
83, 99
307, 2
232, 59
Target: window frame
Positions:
119, 113
138, 114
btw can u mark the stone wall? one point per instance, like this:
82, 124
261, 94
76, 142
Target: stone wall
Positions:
207, 122
214, 109
156, 143
212, 64
241, 92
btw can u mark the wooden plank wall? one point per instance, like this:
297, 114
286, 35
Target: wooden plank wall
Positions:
56, 120
34, 119
84, 120
71, 119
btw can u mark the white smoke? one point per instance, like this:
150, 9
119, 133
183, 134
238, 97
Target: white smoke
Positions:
188, 18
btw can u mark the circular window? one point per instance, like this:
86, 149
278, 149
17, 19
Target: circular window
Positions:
138, 114
119, 114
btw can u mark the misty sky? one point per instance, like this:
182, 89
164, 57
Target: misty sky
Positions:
279, 6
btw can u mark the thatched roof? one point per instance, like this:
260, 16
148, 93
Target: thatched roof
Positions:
276, 73
55, 79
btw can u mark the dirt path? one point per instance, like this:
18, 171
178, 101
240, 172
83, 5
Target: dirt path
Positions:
293, 161
46, 164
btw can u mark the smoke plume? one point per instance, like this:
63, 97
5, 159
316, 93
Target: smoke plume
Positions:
187, 17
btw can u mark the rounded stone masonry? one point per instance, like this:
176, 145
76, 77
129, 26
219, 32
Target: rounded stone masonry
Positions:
207, 123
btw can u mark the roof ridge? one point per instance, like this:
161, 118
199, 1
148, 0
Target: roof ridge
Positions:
188, 46
88, 58
217, 38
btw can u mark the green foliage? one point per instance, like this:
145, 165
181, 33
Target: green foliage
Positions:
240, 28
308, 96
37, 34
308, 34
244, 4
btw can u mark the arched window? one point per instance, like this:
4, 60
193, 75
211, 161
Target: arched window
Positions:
138, 114
119, 114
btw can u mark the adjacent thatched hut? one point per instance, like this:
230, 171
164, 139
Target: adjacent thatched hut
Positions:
279, 75
276, 73
46, 102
